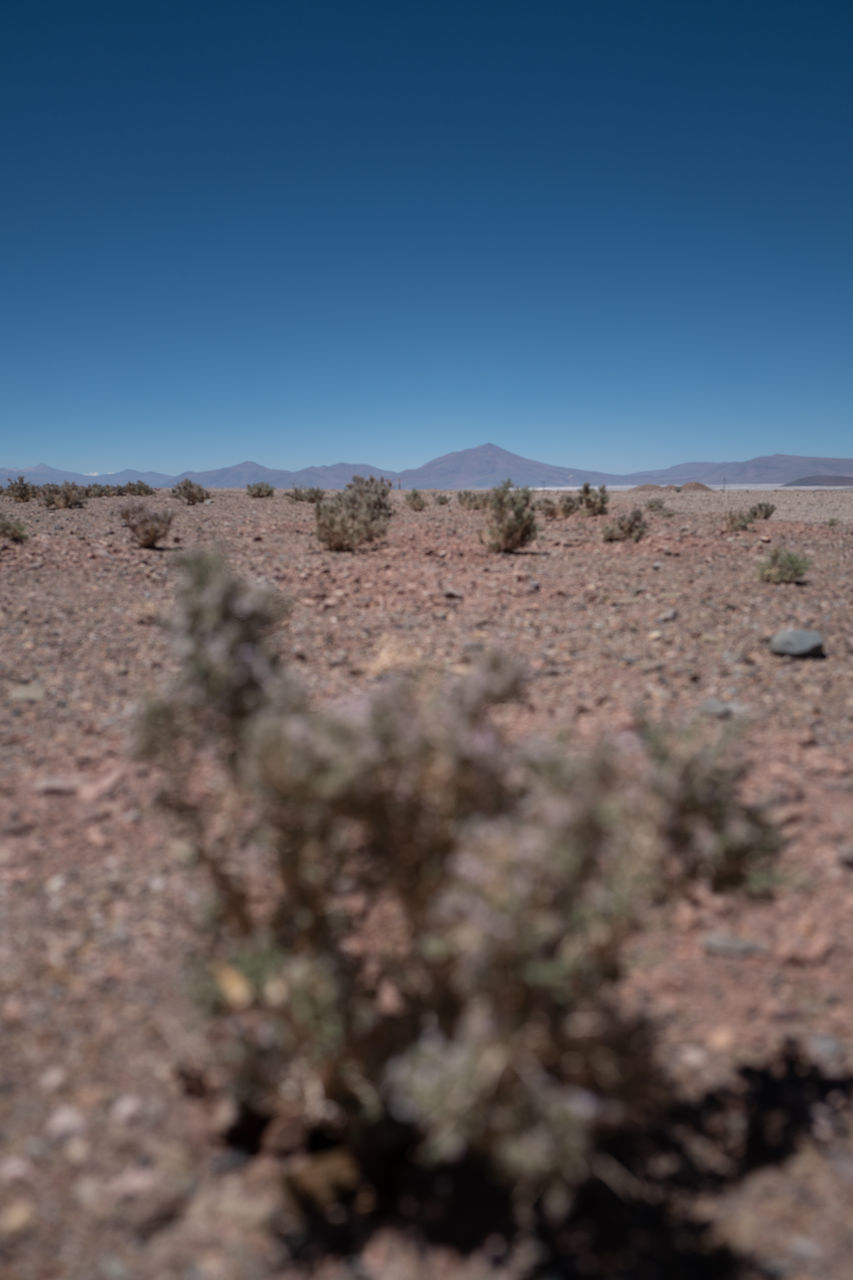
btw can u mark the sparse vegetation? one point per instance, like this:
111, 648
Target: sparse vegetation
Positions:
594, 502
630, 526
659, 507
20, 490
61, 497
416, 500
761, 511
146, 527
548, 508
569, 504
260, 489
441, 499
783, 565
508, 879
470, 500
358, 515
511, 517
298, 494
190, 492
738, 519
11, 529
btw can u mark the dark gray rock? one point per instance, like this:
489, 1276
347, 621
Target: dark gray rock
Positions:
796, 643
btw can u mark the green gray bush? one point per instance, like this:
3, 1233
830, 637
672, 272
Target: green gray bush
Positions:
190, 492
260, 489
20, 489
783, 565
358, 515
416, 500
146, 527
510, 517
12, 529
628, 527
481, 1021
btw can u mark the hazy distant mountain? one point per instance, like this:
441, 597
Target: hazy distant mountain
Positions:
478, 468
489, 465
837, 482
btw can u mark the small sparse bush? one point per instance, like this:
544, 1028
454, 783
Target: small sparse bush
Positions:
358, 515
783, 565
416, 500
761, 511
569, 504
548, 508
658, 505
630, 526
135, 489
594, 501
507, 879
190, 492
298, 494
146, 527
12, 529
260, 489
738, 520
61, 497
441, 499
471, 501
511, 520
20, 490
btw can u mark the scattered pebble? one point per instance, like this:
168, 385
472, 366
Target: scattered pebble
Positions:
797, 643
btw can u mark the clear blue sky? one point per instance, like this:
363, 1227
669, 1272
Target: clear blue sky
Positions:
601, 233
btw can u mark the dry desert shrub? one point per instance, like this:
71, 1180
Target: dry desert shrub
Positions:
629, 527
298, 494
61, 497
189, 492
416, 500
783, 565
260, 489
358, 515
11, 529
478, 1021
20, 490
146, 527
738, 519
510, 517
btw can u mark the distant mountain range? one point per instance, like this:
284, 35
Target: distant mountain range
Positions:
478, 468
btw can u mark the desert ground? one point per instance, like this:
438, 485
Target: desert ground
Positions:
115, 1155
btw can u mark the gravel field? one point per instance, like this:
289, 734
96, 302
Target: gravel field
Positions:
114, 1162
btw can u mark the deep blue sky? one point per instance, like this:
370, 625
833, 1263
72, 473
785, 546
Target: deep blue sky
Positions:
615, 234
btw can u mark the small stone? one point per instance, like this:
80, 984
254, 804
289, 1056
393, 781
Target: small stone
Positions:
126, 1109
845, 855
32, 692
669, 615
18, 1216
16, 1169
450, 593
64, 1122
728, 944
52, 1079
234, 987
797, 643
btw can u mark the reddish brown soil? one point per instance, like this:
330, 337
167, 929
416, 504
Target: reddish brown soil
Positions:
109, 1167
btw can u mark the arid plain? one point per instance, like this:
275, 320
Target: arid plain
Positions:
113, 1161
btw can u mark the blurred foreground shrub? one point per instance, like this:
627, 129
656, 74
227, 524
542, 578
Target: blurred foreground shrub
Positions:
421, 922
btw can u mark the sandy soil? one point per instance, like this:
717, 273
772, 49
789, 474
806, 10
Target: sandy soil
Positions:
110, 1166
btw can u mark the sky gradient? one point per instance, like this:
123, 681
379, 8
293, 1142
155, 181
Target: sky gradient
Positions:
607, 234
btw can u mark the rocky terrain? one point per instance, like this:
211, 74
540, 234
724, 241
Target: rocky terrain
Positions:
118, 1156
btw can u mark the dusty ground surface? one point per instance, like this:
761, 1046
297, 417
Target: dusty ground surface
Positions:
109, 1165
